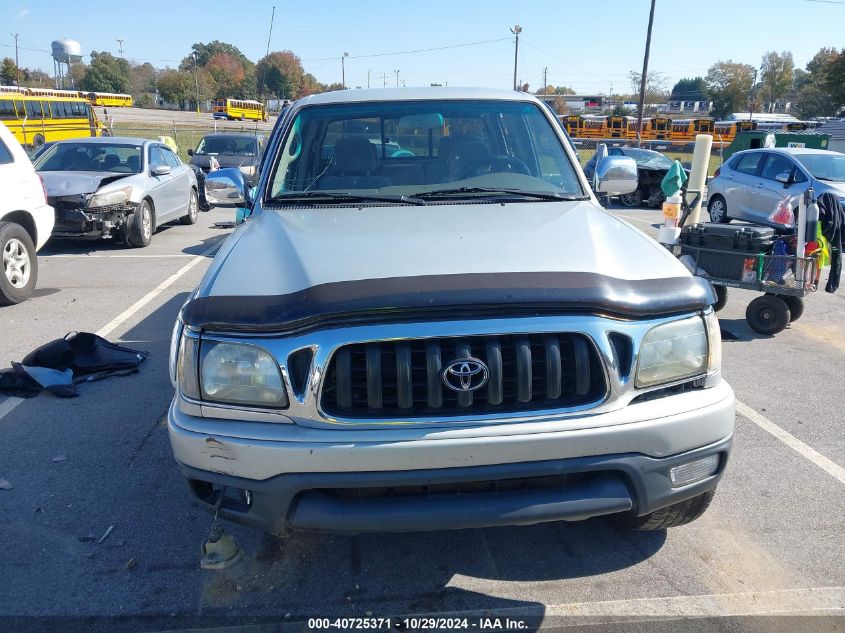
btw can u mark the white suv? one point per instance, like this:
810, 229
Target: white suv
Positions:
26, 220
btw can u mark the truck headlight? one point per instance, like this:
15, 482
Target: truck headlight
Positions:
673, 351
235, 373
109, 198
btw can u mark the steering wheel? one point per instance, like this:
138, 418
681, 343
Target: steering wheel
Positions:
496, 162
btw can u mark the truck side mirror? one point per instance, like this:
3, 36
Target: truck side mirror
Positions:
226, 188
616, 175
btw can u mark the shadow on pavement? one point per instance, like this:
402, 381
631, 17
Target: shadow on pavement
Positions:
202, 247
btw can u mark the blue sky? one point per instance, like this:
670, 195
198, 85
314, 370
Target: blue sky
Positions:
590, 48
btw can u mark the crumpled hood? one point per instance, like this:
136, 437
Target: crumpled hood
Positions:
69, 183
285, 251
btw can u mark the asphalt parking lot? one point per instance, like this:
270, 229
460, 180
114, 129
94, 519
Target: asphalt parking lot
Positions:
773, 542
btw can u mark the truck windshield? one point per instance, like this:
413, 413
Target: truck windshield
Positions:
422, 147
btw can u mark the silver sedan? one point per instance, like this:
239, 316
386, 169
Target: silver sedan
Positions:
750, 184
119, 187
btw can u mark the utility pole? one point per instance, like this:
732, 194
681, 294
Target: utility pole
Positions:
197, 81
369, 70
17, 66
751, 95
343, 68
397, 77
516, 30
384, 80
545, 79
264, 68
644, 76
120, 42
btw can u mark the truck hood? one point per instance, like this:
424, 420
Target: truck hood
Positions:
289, 266
69, 183
203, 161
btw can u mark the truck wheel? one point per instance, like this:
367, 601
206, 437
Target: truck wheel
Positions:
674, 515
193, 207
140, 230
20, 265
721, 297
767, 314
796, 307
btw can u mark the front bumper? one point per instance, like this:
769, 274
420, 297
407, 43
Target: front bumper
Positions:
72, 222
345, 480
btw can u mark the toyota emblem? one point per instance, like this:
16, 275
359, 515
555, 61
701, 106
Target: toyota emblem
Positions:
465, 375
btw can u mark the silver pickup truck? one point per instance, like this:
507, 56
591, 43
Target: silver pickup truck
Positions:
428, 322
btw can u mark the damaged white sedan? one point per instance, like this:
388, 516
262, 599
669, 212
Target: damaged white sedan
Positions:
116, 187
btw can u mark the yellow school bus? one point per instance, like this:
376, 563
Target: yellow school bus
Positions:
35, 120
239, 109
687, 129
594, 127
108, 99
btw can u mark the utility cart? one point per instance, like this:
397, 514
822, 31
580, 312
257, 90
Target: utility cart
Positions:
752, 257
784, 279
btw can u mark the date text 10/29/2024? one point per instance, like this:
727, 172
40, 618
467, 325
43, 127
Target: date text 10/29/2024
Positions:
417, 623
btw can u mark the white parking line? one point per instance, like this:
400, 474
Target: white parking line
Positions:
792, 442
84, 256
109, 327
8, 405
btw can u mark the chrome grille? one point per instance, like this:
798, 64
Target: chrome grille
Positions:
404, 378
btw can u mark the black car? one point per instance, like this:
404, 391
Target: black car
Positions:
242, 151
651, 170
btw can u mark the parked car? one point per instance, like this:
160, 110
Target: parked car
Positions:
750, 185
117, 186
458, 338
26, 220
651, 170
242, 151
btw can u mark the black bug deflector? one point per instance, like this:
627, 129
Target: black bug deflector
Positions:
450, 296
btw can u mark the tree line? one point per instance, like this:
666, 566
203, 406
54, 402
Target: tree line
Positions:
210, 70
818, 90
220, 69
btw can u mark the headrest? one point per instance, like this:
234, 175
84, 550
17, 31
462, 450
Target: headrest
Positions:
355, 155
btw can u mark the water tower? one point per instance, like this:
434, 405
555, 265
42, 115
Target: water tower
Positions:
65, 53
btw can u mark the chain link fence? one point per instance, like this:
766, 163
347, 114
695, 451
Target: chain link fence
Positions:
672, 149
186, 136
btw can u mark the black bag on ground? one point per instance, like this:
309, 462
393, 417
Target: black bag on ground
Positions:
59, 365
84, 353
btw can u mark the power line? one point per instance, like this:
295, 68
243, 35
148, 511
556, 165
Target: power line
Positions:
411, 52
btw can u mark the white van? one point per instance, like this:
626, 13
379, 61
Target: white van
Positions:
26, 220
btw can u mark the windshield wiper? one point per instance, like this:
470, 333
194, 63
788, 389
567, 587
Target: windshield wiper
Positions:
332, 196
541, 195
827, 179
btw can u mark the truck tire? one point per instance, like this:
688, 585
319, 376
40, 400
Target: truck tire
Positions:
193, 208
674, 515
140, 229
20, 264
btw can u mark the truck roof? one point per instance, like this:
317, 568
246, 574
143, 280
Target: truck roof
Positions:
359, 95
